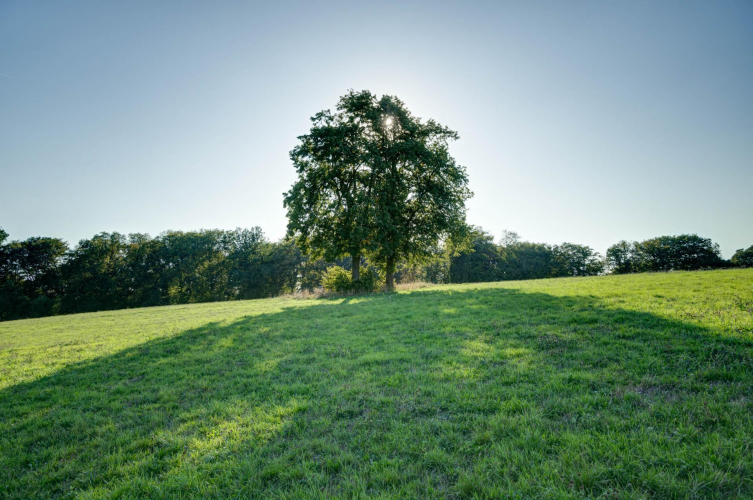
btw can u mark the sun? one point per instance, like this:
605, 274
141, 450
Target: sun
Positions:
388, 121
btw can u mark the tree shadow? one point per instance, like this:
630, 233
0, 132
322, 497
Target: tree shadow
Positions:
434, 393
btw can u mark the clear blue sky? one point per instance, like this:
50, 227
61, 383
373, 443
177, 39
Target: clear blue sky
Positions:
587, 122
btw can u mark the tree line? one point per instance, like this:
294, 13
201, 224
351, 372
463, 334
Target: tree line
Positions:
515, 259
42, 276
685, 252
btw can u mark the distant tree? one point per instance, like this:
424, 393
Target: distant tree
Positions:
515, 259
684, 252
40, 259
29, 277
199, 265
743, 257
576, 260
437, 270
144, 271
246, 245
10, 265
409, 273
13, 301
93, 274
525, 260
284, 264
481, 263
665, 253
40, 276
622, 258
509, 238
272, 270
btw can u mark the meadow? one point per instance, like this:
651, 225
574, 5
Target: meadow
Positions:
634, 386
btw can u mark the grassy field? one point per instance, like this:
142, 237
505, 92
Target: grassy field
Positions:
608, 387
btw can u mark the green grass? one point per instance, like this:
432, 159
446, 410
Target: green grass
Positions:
609, 387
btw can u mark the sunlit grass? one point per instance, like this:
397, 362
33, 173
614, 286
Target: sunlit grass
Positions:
629, 386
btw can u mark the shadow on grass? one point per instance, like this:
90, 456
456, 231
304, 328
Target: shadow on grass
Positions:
487, 392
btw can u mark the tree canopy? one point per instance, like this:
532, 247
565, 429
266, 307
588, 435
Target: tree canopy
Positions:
743, 257
684, 252
327, 207
375, 180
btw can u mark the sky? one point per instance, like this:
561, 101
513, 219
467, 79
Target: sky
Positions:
585, 122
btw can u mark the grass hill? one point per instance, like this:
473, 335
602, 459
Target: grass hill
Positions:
608, 387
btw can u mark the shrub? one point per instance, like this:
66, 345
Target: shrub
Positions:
370, 280
336, 279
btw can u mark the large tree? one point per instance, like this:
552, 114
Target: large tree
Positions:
419, 191
327, 204
375, 179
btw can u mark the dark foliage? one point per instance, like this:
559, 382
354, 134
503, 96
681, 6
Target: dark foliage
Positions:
42, 276
483, 263
743, 257
686, 252
514, 259
375, 180
30, 277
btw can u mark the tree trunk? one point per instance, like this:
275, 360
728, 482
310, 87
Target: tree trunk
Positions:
355, 266
390, 275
